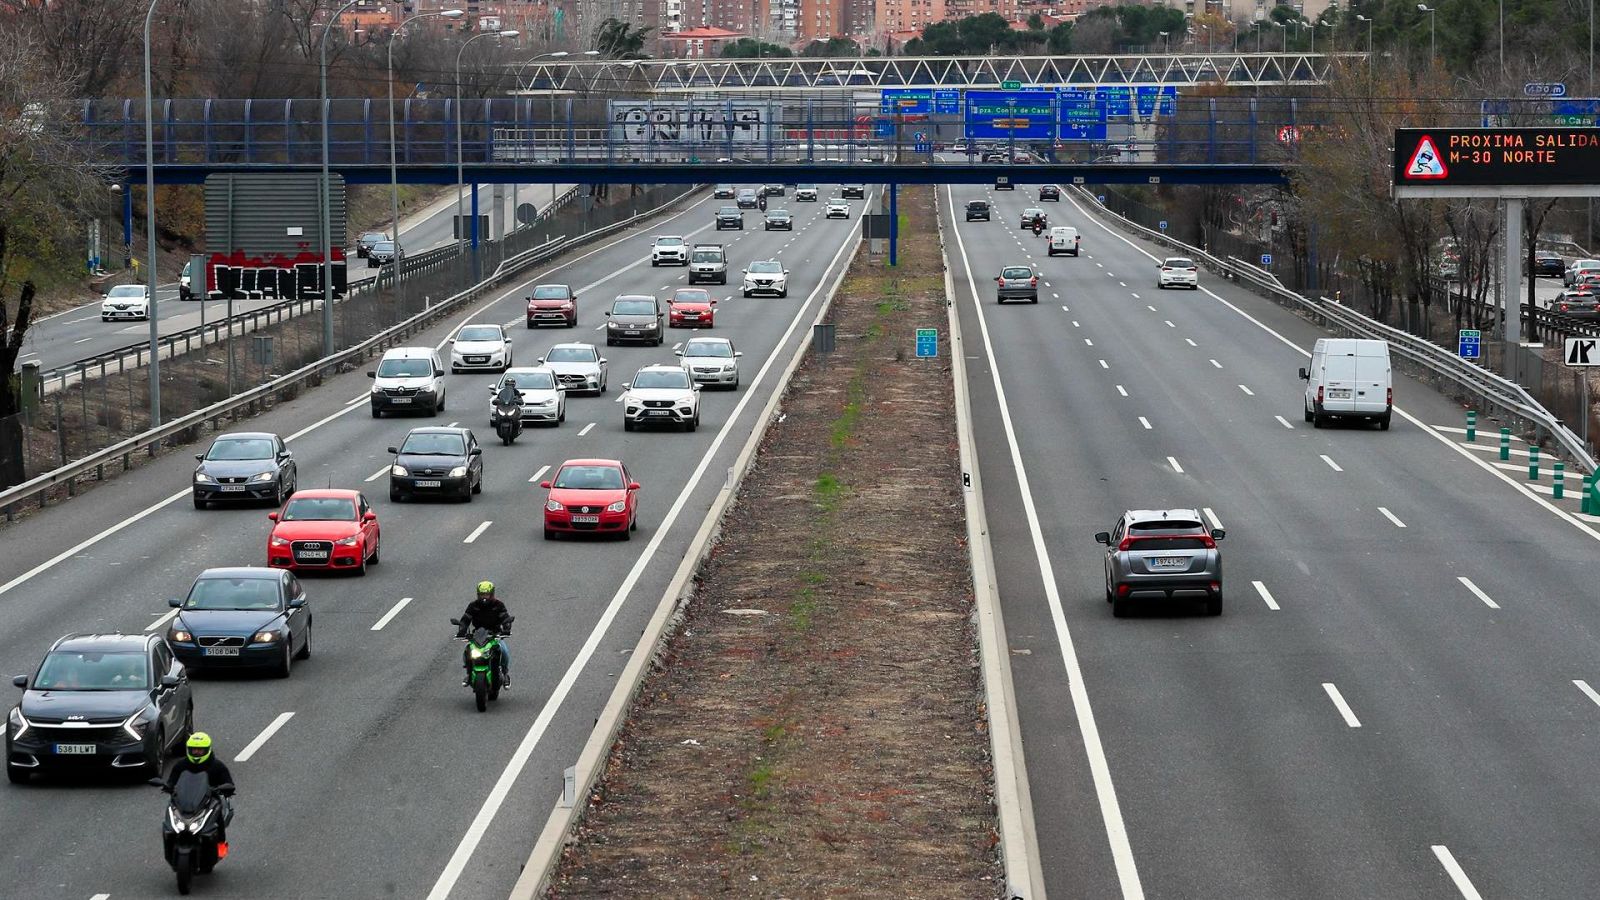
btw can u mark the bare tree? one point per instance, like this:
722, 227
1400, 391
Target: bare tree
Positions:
96, 38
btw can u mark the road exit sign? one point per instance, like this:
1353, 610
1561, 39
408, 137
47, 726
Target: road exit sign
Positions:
1010, 85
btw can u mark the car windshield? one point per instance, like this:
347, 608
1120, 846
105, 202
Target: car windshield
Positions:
838, 200
686, 295
374, 236
479, 333
384, 246
233, 593
1178, 262
72, 670
319, 509
669, 242
123, 291
708, 348
1033, 211
661, 379
530, 381
550, 292
413, 367
747, 192
777, 214
707, 255
729, 211
589, 478
766, 268
571, 354
633, 308
436, 443
977, 204
241, 448
1017, 272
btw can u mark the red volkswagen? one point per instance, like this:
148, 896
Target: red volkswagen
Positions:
324, 529
591, 495
692, 308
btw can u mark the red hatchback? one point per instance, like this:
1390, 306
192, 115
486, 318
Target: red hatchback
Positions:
591, 495
324, 529
691, 308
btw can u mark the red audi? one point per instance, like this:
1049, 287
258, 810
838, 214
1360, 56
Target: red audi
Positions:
691, 308
589, 496
324, 529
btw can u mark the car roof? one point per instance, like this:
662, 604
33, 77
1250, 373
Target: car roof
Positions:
582, 344
634, 297
669, 237
617, 463
245, 435
661, 367
438, 429
481, 325
1157, 515
107, 641
527, 370
409, 353
240, 572
325, 494
707, 340
550, 284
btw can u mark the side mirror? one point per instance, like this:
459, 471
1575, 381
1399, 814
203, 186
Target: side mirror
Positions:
544, 484
1304, 374
370, 517
785, 271
625, 385
738, 353
997, 278
1218, 534
713, 303
174, 602
200, 456
395, 450
493, 390
608, 313
475, 451
677, 353
156, 782
20, 681
541, 360
452, 340
438, 373
602, 360
272, 516
1103, 537
508, 340
744, 271
169, 681
633, 485
372, 374
297, 603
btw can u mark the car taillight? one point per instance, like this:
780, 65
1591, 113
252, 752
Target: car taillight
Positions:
1034, 281
1561, 307
1166, 268
1388, 397
1319, 394
1191, 269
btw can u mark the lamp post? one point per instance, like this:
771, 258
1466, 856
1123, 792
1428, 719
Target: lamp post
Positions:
1285, 29
327, 190
1430, 10
394, 177
1208, 37
461, 222
1164, 43
1361, 18
1314, 27
150, 229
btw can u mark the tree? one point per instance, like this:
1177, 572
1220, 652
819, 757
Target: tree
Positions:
750, 48
95, 38
832, 47
616, 39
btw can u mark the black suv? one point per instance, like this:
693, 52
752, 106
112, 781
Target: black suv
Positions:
977, 209
730, 217
441, 461
772, 190
112, 702
853, 192
1049, 192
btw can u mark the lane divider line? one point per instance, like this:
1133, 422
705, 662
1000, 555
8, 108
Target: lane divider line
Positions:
1456, 873
1331, 464
165, 617
539, 474
1477, 592
265, 735
1391, 517
589, 427
1173, 461
1122, 390
482, 527
1266, 595
376, 475
1104, 364
1191, 342
389, 616
1589, 691
1216, 364
1212, 515
1145, 422
1284, 422
1344, 708
1247, 390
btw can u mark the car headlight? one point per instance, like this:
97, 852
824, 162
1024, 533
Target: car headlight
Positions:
554, 505
268, 636
203, 478
618, 506
376, 389
278, 541
178, 634
398, 471
458, 472
567, 305
348, 541
549, 401
135, 724
613, 324
264, 476
19, 723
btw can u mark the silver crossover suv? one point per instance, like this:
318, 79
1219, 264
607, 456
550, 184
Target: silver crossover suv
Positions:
1161, 554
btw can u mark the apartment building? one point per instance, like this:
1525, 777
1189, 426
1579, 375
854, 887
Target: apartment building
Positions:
894, 16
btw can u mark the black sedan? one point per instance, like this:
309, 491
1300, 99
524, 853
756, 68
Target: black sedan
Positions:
106, 702
853, 192
772, 190
245, 465
1049, 192
779, 218
244, 617
1033, 215
977, 209
723, 192
441, 461
1546, 262
730, 217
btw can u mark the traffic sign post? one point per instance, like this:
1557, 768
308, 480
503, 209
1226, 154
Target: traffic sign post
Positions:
1580, 352
1162, 224
1469, 343
927, 343
1266, 259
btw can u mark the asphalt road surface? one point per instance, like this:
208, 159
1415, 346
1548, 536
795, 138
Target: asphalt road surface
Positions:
376, 777
1396, 701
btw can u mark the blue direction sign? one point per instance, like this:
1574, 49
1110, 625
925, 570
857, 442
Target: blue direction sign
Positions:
1083, 116
1266, 259
1544, 89
927, 343
1024, 115
909, 101
1468, 341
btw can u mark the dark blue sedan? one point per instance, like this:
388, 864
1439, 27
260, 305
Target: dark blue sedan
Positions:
243, 617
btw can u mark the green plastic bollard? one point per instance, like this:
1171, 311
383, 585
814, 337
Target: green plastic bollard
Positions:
1557, 486
1505, 443
1589, 497
1472, 425
1533, 462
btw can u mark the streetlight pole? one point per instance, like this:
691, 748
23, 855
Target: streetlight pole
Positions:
1165, 44
150, 230
1503, 38
1361, 18
327, 192
1285, 29
461, 222
1432, 46
394, 171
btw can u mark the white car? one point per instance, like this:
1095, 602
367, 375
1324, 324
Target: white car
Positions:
480, 346
543, 400
805, 193
1179, 271
661, 395
767, 276
838, 208
126, 301
711, 360
669, 250
578, 367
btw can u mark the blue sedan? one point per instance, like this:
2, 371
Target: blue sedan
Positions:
242, 617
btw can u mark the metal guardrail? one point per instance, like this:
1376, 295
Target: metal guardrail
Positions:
312, 373
1492, 390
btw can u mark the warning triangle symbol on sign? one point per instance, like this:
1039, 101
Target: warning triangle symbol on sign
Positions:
1425, 161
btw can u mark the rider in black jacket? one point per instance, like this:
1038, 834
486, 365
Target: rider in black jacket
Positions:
199, 758
487, 611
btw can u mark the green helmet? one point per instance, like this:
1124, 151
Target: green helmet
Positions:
199, 747
485, 589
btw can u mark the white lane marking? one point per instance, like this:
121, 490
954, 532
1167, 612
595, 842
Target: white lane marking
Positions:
1344, 708
452, 424
319, 423
1216, 364
600, 327
482, 527
1104, 364
589, 427
1191, 342
1266, 595
619, 398
1122, 390
677, 346
165, 618
1112, 274
1331, 464
1149, 307
1173, 461
360, 397
1456, 873
1100, 264
1169, 323
1391, 517
1146, 423
539, 474
83, 340
1211, 514
1086, 341
1284, 422
1247, 390
92, 540
393, 611
1134, 294
1584, 686
1477, 591
1075, 324
265, 735
376, 475
1058, 297
530, 740
101, 897
1100, 770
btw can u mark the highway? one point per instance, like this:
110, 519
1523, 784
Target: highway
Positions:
369, 773
1398, 700
77, 333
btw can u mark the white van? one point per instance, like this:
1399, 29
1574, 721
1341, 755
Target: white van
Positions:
1348, 379
1063, 238
408, 378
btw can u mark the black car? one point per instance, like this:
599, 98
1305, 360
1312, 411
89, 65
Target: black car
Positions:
242, 617
853, 192
245, 465
1581, 302
723, 192
747, 198
977, 209
438, 460
1049, 192
635, 318
1546, 262
366, 241
730, 217
779, 218
1032, 216
107, 702
772, 190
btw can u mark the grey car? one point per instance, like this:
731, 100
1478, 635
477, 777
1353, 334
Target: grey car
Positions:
634, 318
1017, 283
1162, 554
245, 465
779, 218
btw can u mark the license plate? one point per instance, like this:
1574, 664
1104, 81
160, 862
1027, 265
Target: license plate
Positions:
233, 487
399, 399
586, 520
1169, 562
658, 412
1338, 394
633, 334
423, 484
313, 554
221, 651
74, 749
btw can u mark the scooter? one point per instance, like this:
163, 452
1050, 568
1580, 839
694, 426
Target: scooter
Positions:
191, 832
482, 658
508, 422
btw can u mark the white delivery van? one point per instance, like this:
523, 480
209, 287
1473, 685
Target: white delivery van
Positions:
1063, 239
1348, 379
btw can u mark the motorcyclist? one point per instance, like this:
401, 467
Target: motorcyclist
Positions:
761, 200
1038, 226
198, 757
487, 611
509, 395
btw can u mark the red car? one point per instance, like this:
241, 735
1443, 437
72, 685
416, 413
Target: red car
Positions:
591, 495
324, 529
553, 304
691, 308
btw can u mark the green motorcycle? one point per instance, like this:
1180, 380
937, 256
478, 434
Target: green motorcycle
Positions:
483, 663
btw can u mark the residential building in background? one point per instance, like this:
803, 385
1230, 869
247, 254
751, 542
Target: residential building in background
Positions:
896, 17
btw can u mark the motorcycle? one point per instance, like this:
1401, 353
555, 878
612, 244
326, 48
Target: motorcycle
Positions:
482, 658
191, 832
507, 422
1038, 228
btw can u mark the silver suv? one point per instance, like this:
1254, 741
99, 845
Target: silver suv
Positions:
1162, 554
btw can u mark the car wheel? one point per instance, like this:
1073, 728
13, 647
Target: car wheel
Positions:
561, 414
1318, 420
692, 424
158, 766
1034, 299
1120, 608
305, 649
633, 524
1214, 606
361, 568
376, 546
746, 294
1383, 423
440, 407
478, 488
1308, 414
549, 535
467, 492
395, 496
603, 385
610, 342
377, 413
199, 502
530, 324
627, 424
278, 495
286, 664
783, 293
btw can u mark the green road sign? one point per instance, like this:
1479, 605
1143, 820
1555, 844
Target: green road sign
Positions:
1010, 85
